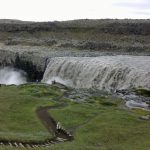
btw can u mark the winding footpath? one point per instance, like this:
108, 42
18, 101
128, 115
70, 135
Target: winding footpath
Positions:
60, 134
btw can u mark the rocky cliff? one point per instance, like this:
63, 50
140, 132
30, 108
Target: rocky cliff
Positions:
32, 63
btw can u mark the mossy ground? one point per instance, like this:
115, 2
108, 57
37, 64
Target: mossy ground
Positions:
97, 124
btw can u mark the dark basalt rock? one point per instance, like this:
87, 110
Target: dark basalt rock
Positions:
33, 64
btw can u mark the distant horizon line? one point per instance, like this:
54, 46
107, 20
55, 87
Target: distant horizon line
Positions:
73, 19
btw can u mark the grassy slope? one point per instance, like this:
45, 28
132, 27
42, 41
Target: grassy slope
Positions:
97, 124
103, 126
17, 110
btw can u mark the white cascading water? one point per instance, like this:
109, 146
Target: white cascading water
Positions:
10, 76
105, 72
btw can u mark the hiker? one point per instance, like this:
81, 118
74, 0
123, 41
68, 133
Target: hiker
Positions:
37, 81
54, 82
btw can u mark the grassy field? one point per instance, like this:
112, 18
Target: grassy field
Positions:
101, 125
18, 119
97, 124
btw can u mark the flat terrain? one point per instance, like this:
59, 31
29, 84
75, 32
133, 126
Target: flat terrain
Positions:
97, 123
105, 36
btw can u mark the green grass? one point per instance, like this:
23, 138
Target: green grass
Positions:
143, 92
103, 126
148, 104
140, 112
97, 124
18, 119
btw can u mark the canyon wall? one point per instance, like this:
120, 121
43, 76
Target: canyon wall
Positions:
33, 64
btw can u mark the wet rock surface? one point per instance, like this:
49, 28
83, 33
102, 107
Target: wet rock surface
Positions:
132, 100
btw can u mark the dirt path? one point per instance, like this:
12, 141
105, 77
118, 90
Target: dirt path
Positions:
60, 134
50, 124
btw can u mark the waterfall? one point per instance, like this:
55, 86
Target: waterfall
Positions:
105, 72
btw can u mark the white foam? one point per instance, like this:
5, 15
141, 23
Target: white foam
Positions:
10, 76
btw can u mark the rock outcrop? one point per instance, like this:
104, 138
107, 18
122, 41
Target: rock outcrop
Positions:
32, 63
